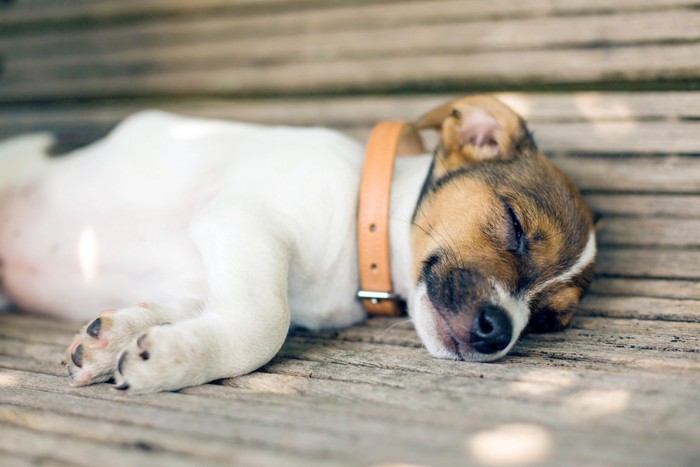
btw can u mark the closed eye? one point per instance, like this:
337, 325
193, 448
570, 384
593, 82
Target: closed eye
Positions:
517, 240
428, 266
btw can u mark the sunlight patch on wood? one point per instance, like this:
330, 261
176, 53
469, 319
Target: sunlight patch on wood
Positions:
543, 381
599, 402
599, 110
516, 444
8, 381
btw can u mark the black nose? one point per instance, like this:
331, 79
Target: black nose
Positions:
492, 330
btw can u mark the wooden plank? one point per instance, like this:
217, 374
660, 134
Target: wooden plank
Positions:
680, 336
408, 369
447, 447
608, 352
649, 232
651, 205
524, 386
92, 57
550, 384
363, 111
637, 137
492, 70
638, 174
657, 263
29, 11
80, 452
336, 387
234, 422
646, 288
16, 460
39, 10
144, 439
654, 309
449, 442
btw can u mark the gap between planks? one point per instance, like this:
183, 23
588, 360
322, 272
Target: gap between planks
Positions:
338, 16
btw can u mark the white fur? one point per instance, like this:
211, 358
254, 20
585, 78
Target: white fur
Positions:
584, 260
425, 318
519, 312
256, 225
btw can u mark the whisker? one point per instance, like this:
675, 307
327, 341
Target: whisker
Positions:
397, 324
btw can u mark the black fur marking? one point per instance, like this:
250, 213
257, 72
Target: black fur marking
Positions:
544, 320
450, 288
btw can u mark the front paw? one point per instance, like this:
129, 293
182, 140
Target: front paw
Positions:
92, 356
94, 350
155, 361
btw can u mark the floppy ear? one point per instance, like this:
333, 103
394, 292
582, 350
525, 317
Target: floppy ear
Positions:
475, 129
435, 117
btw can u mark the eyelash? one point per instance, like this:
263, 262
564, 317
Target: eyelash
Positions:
517, 243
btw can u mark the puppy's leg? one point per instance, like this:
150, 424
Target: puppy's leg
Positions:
93, 355
246, 317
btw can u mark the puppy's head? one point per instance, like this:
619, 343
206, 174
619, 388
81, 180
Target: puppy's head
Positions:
502, 239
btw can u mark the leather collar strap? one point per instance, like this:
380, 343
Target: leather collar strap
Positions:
388, 139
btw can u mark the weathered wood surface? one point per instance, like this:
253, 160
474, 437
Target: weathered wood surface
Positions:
608, 390
619, 387
237, 48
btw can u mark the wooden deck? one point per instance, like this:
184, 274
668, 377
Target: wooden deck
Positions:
612, 92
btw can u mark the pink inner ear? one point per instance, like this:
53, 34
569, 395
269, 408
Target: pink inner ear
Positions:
479, 129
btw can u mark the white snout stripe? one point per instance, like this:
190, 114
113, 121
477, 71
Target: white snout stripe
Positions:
584, 260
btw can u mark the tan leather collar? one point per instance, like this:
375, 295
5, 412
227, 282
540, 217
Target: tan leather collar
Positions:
388, 139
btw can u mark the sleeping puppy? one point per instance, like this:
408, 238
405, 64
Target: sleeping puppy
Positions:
202, 241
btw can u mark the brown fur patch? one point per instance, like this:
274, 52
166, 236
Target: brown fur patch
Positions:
472, 193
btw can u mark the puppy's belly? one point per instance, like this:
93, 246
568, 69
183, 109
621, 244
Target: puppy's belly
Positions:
60, 262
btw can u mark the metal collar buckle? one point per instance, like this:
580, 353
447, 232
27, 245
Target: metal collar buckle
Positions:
375, 297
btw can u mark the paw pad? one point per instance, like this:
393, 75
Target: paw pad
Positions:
77, 356
93, 330
141, 344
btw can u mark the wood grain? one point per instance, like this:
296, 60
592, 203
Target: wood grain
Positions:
365, 376
483, 69
618, 387
96, 57
29, 11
